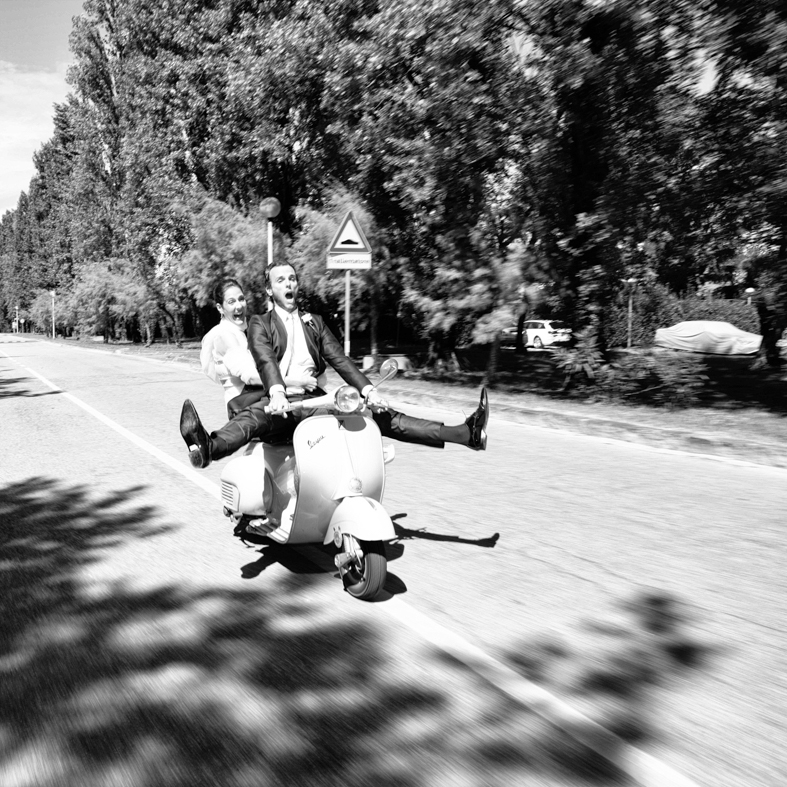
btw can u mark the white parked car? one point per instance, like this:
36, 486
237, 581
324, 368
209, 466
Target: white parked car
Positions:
539, 333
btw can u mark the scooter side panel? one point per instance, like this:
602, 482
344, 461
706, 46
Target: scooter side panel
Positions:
280, 475
242, 490
338, 456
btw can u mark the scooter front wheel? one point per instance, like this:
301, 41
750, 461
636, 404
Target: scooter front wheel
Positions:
366, 580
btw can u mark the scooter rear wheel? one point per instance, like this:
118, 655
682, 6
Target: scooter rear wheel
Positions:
367, 582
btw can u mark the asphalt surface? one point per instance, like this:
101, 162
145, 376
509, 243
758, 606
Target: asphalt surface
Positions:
642, 585
550, 413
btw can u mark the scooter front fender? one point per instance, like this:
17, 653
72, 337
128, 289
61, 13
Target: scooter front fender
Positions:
361, 517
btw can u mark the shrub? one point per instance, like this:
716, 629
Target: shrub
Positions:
654, 306
650, 376
656, 377
582, 363
739, 313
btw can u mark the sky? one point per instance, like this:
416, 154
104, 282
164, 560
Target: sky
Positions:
34, 56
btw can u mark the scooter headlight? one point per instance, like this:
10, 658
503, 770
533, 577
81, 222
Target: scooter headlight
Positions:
347, 399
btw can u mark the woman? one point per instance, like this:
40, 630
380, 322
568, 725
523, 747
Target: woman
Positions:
225, 355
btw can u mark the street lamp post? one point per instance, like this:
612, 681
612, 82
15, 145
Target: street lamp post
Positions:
630, 284
270, 208
52, 293
17, 319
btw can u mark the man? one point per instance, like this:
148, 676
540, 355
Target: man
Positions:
285, 343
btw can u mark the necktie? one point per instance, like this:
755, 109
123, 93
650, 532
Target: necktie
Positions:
289, 324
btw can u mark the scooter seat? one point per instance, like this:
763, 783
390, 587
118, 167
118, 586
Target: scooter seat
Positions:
278, 441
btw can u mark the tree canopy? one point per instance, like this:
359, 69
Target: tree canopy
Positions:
490, 147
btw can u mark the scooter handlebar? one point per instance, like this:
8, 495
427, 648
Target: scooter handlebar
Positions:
388, 370
327, 400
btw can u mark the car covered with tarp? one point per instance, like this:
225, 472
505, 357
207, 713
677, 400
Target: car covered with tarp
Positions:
708, 336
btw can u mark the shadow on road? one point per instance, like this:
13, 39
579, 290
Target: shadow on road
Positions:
423, 533
315, 559
17, 386
614, 669
284, 555
174, 687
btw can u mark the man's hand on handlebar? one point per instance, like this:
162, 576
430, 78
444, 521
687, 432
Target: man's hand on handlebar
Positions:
279, 404
375, 401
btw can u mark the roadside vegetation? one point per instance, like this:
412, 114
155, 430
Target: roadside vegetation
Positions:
506, 160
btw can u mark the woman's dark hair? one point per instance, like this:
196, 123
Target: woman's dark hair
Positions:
220, 290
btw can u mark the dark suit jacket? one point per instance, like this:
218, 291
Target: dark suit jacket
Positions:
268, 341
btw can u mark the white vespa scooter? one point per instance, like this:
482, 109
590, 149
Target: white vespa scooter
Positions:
325, 486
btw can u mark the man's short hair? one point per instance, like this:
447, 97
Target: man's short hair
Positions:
277, 265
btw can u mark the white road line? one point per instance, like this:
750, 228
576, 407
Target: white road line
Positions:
174, 464
644, 769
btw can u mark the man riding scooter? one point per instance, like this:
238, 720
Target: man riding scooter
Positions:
287, 343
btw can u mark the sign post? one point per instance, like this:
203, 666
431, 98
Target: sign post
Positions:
270, 208
349, 251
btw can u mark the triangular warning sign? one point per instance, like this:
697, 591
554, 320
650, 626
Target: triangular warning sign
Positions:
349, 238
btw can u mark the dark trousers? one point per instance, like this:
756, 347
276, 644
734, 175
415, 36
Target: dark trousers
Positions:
252, 422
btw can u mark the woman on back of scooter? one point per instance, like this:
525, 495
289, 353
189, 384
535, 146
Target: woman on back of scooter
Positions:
224, 352
284, 343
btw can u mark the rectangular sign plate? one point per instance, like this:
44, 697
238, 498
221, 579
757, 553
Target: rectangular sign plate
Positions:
358, 262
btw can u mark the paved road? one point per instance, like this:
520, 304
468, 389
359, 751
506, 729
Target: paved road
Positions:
642, 586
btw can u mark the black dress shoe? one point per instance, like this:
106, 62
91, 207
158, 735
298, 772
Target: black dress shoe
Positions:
193, 432
477, 422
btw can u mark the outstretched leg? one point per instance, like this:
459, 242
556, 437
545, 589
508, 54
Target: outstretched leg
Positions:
195, 436
250, 423
408, 429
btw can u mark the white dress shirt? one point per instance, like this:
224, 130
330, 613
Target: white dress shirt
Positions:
225, 358
297, 362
